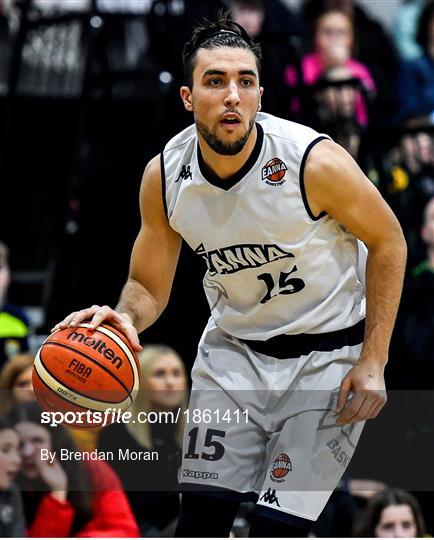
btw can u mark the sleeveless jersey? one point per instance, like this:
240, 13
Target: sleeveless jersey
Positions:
272, 266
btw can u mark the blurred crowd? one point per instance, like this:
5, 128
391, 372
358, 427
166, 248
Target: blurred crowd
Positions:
328, 64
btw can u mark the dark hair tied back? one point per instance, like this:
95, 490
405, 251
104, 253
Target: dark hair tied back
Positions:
222, 32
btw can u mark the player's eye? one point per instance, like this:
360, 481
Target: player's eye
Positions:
407, 524
246, 82
214, 82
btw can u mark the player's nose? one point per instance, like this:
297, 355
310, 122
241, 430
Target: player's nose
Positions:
232, 97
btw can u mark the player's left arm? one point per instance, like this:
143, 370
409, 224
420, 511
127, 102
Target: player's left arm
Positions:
335, 184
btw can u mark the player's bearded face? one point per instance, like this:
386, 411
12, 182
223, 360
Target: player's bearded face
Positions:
221, 146
224, 98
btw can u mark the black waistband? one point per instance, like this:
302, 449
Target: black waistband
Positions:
293, 346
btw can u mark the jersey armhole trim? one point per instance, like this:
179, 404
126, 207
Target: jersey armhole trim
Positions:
163, 183
301, 177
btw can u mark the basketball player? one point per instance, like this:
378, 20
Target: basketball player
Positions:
281, 216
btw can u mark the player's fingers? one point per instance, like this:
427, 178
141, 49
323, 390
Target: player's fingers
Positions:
104, 313
133, 338
75, 318
364, 410
372, 408
129, 331
82, 315
377, 409
344, 392
65, 323
352, 409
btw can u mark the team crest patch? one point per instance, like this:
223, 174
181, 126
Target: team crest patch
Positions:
273, 172
281, 467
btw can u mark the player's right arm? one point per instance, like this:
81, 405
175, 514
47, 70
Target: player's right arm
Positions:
152, 268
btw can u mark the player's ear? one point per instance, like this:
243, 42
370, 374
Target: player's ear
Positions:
186, 97
261, 91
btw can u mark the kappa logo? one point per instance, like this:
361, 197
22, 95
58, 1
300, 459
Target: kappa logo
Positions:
185, 173
270, 497
204, 475
273, 172
281, 467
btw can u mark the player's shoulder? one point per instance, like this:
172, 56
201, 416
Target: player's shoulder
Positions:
151, 179
286, 130
328, 158
181, 139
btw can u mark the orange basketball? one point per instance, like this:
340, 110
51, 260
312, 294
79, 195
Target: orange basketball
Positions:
78, 370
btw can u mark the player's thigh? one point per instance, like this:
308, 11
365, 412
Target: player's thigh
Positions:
307, 460
222, 446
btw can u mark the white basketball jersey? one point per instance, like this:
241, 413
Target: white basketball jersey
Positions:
272, 266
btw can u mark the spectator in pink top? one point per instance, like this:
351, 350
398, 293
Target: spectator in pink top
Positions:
331, 61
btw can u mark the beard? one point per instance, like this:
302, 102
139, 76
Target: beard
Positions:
221, 147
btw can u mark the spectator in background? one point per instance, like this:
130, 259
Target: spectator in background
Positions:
341, 512
373, 48
418, 308
11, 509
409, 167
332, 61
332, 58
405, 28
271, 24
152, 489
16, 387
71, 498
392, 513
16, 381
14, 325
415, 86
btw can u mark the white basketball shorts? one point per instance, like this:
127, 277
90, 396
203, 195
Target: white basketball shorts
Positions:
264, 426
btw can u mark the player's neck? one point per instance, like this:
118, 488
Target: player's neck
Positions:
226, 166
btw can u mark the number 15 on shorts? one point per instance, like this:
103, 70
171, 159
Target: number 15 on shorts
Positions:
211, 441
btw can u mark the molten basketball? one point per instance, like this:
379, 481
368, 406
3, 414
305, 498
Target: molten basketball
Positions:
77, 370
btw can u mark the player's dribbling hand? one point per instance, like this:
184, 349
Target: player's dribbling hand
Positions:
99, 314
366, 381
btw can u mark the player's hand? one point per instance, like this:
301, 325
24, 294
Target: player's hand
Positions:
99, 314
366, 381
